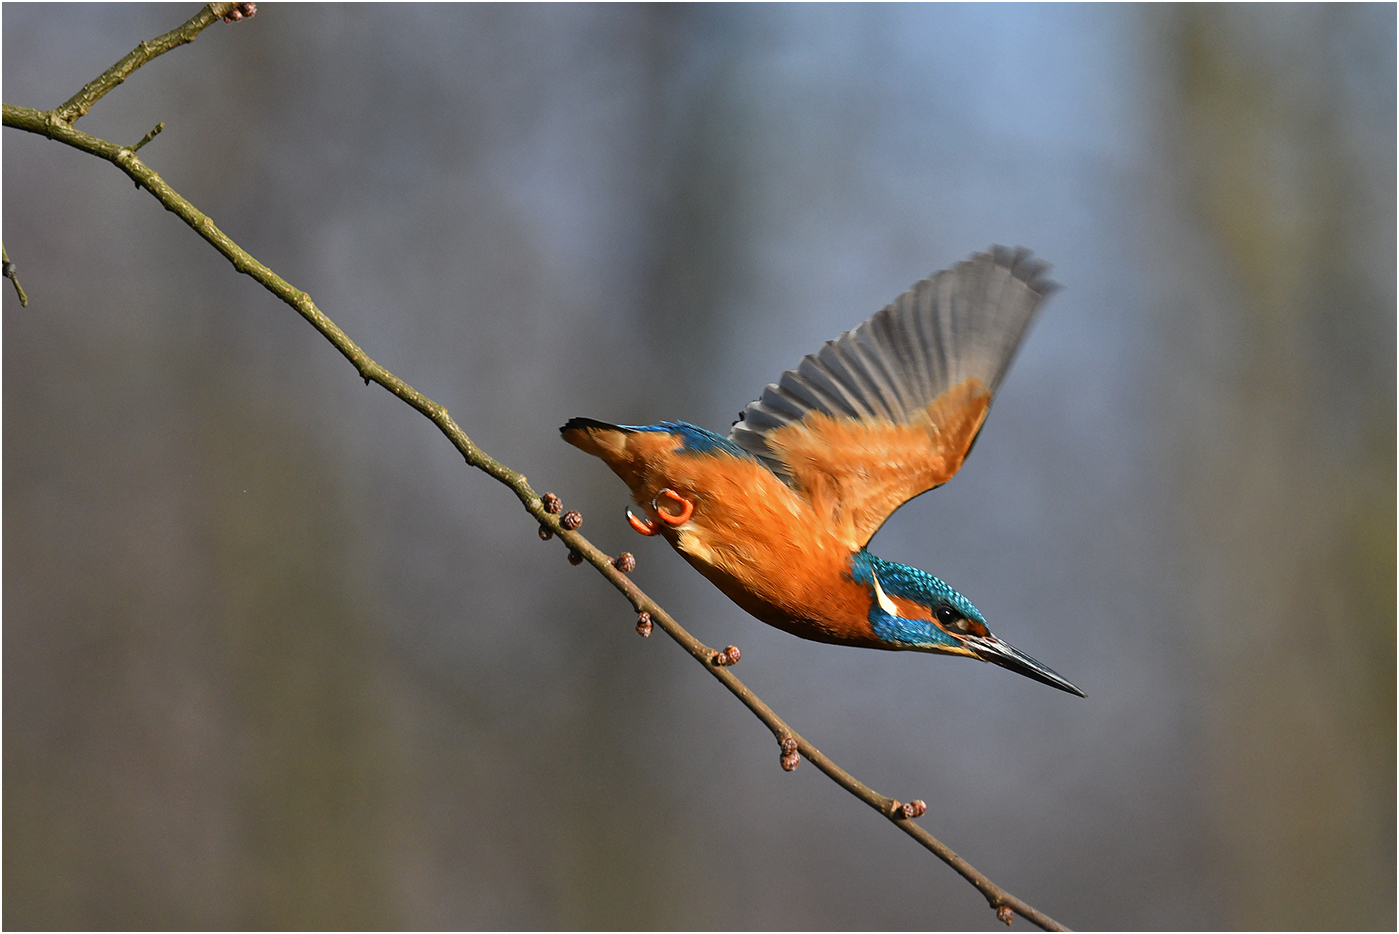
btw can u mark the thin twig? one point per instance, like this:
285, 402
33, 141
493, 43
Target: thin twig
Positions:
8, 268
155, 131
13, 276
57, 125
77, 105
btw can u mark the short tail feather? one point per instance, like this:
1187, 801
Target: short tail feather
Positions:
581, 424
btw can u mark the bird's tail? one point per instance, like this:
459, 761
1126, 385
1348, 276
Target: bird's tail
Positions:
600, 439
597, 438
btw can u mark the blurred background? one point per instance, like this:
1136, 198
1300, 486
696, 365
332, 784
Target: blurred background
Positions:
274, 657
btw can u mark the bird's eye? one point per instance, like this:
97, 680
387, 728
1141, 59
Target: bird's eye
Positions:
950, 617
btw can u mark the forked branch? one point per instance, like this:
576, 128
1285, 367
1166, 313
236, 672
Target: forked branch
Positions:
57, 124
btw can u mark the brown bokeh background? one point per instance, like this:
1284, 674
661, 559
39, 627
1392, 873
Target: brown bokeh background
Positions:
273, 657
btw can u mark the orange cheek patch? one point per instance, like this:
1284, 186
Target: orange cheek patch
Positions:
910, 610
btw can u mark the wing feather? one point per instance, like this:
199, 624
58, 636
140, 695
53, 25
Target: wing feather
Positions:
890, 408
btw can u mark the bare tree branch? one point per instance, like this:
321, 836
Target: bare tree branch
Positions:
77, 105
57, 124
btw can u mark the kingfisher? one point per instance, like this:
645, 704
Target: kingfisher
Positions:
778, 513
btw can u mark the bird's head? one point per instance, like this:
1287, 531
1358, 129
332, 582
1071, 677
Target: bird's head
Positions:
912, 609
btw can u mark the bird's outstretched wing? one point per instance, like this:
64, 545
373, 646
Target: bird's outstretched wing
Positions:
890, 408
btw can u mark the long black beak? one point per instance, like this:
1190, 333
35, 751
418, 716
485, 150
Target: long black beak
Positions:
1004, 654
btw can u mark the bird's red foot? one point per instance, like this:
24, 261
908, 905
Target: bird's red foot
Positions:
644, 526
672, 508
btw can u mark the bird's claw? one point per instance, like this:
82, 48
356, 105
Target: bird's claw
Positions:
670, 507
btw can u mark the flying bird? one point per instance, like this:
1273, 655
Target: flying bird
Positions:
778, 514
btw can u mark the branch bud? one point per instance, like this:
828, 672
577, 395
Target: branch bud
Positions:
241, 11
790, 757
729, 656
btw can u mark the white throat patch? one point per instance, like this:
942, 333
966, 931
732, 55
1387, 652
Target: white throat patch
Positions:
881, 597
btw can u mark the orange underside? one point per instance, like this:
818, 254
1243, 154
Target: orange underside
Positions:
754, 538
784, 555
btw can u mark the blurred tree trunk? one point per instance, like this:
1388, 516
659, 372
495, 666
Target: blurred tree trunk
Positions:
1287, 467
